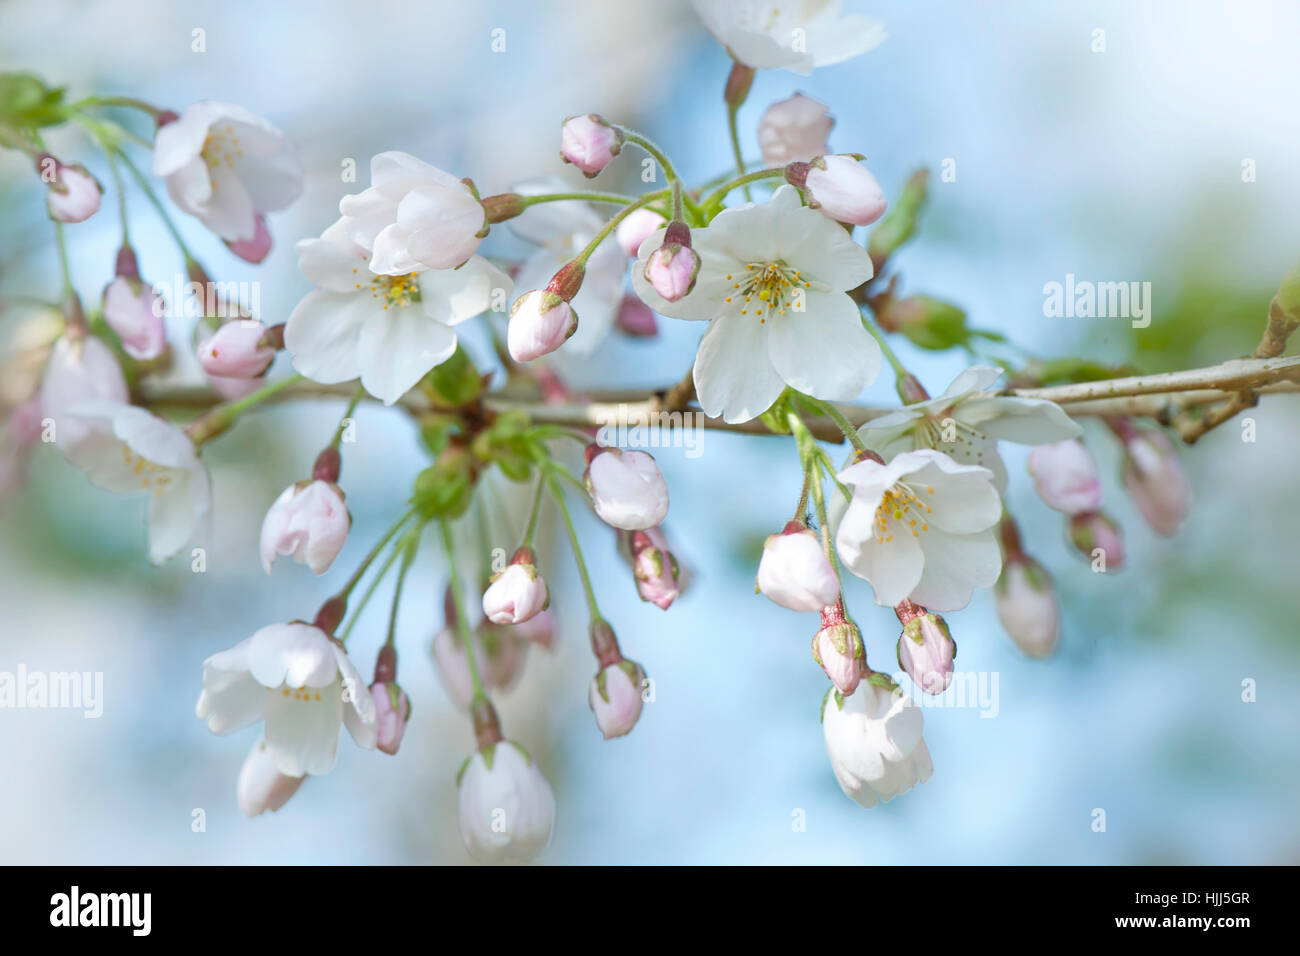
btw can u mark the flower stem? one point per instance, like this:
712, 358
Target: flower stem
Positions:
120, 186
407, 547
534, 513
347, 416
731, 184
732, 113
661, 158
212, 423
462, 620
588, 197
157, 204
369, 559
835, 415
369, 592
577, 548
62, 242
618, 217
900, 371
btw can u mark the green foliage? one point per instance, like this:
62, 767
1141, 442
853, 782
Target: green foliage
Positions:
27, 103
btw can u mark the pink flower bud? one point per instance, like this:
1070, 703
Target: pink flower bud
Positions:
672, 269
1065, 476
518, 593
499, 654
615, 697
627, 489
261, 785
838, 650
309, 521
1026, 604
1155, 479
538, 629
135, 313
540, 322
926, 651
232, 389
73, 194
794, 130
636, 227
655, 570
841, 187
238, 349
392, 710
794, 571
636, 319
1098, 538
589, 143
253, 250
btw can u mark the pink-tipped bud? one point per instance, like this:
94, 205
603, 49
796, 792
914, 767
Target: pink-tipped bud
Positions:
518, 593
636, 227
1026, 604
589, 143
256, 248
838, 650
636, 319
540, 322
794, 130
538, 629
1155, 479
840, 187
1098, 538
310, 521
135, 314
925, 648
239, 349
1065, 476
615, 697
794, 571
655, 570
627, 489
74, 194
672, 268
392, 711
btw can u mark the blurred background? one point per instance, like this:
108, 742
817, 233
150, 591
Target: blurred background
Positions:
1117, 165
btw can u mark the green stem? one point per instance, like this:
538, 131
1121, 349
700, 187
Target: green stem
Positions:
721, 192
370, 590
407, 546
900, 370
62, 242
835, 415
577, 548
157, 204
212, 423
732, 112
124, 101
120, 186
369, 559
534, 513
618, 217
588, 197
347, 416
462, 620
670, 171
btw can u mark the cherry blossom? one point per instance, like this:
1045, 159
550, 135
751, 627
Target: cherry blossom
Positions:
792, 36
873, 738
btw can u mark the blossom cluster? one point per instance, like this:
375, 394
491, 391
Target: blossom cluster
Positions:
795, 311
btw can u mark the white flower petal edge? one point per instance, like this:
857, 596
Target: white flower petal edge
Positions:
773, 284
763, 34
129, 450
921, 527
301, 684
975, 419
875, 744
506, 808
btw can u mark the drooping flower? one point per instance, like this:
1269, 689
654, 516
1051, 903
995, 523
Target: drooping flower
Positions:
301, 684
135, 313
261, 785
1026, 605
773, 284
499, 653
518, 593
505, 805
925, 648
921, 528
73, 194
967, 421
239, 349
837, 649
655, 571
227, 168
589, 143
1154, 478
309, 521
561, 230
875, 743
794, 130
794, 571
127, 450
1065, 476
392, 710
81, 369
767, 35
414, 217
627, 489
387, 330
615, 697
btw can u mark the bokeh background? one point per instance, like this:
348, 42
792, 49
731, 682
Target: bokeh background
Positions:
1120, 165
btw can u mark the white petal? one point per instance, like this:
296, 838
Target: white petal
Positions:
397, 348
734, 376
1026, 421
295, 655
824, 351
302, 731
323, 332
454, 295
954, 566
892, 567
